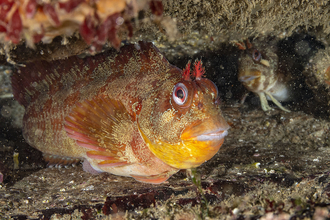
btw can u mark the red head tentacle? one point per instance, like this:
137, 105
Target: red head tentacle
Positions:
240, 45
186, 72
198, 70
248, 44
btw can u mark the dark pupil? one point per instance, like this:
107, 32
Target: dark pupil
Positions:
179, 94
256, 55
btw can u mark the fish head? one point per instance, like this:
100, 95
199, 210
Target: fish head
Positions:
257, 65
182, 123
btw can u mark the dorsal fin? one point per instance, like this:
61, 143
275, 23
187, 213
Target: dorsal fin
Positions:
42, 77
48, 78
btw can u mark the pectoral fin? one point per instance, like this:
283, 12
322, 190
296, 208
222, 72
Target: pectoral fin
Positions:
97, 125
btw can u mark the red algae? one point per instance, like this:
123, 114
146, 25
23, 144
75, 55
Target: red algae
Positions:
97, 21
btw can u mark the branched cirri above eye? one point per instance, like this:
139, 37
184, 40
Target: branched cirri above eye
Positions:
256, 55
180, 93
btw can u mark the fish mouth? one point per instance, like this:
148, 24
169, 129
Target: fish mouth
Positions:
208, 130
218, 134
249, 75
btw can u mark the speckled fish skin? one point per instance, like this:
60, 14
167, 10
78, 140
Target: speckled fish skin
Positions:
117, 111
259, 73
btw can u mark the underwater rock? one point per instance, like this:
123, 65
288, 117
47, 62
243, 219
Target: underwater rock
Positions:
317, 75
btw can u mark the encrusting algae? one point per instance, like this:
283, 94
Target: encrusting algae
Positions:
129, 113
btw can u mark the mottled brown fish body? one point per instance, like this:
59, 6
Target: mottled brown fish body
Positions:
50, 96
102, 109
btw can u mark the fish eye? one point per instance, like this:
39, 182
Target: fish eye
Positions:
256, 55
180, 93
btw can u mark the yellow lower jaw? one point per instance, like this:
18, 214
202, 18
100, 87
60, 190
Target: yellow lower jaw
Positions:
185, 154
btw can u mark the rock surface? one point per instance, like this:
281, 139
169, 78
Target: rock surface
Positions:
272, 165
